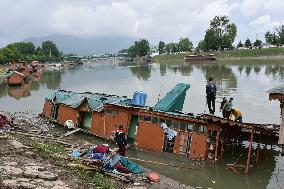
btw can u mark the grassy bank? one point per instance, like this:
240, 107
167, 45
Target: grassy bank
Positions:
272, 53
251, 53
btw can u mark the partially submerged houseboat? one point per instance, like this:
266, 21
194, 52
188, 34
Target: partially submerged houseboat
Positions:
162, 128
16, 78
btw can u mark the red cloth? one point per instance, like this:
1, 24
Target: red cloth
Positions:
102, 149
121, 168
121, 148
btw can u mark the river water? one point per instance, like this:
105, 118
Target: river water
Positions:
246, 82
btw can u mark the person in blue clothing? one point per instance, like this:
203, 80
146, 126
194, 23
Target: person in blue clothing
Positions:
211, 95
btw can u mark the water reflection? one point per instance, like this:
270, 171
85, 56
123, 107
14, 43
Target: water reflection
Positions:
20, 91
275, 70
142, 72
223, 75
51, 79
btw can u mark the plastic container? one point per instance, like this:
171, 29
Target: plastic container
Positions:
139, 98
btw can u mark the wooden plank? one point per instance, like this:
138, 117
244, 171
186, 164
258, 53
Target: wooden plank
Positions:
249, 153
71, 132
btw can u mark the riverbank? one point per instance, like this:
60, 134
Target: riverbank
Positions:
35, 155
249, 54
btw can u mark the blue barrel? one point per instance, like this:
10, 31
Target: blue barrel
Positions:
139, 98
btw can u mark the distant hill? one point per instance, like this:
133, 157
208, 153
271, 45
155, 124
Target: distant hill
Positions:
85, 46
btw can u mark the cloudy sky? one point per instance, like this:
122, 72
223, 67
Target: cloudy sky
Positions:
155, 20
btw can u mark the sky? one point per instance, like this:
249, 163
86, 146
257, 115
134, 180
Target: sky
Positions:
155, 20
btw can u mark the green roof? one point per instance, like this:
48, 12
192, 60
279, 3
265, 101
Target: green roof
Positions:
174, 99
74, 100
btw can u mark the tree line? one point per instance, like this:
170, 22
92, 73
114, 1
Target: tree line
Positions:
218, 37
26, 51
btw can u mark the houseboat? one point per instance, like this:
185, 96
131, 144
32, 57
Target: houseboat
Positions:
16, 78
162, 128
199, 58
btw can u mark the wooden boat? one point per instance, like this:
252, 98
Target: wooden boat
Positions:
193, 57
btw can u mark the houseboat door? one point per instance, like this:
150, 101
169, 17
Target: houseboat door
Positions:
87, 120
54, 112
132, 128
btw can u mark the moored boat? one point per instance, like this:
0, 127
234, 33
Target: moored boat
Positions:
193, 57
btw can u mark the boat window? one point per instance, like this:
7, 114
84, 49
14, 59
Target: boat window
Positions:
162, 120
147, 118
108, 111
189, 127
154, 120
183, 126
196, 128
169, 123
176, 124
203, 129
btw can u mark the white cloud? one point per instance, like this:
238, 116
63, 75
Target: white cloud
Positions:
166, 20
264, 23
105, 20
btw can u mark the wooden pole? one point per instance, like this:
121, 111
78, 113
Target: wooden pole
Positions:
258, 148
249, 153
222, 147
216, 147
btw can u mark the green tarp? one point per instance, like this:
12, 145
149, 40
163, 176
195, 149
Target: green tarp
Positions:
174, 99
132, 167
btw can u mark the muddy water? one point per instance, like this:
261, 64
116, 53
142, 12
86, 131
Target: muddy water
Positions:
246, 82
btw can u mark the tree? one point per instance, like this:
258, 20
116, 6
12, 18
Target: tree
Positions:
221, 34
201, 46
257, 43
185, 45
10, 54
280, 31
123, 51
140, 48
240, 44
50, 49
271, 38
247, 43
161, 47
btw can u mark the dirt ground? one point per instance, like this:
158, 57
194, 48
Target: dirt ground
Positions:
32, 155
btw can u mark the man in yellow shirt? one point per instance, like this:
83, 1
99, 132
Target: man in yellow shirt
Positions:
237, 115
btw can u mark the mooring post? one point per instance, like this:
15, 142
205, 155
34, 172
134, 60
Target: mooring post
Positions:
249, 152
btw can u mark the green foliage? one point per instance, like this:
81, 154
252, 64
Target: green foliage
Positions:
185, 45
201, 46
280, 31
161, 47
271, 38
123, 51
171, 48
257, 43
140, 48
26, 51
240, 44
49, 48
247, 43
221, 34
